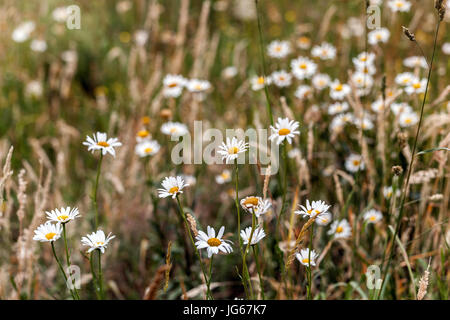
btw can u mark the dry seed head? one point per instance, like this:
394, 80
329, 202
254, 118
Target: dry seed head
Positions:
440, 7
192, 223
397, 170
408, 34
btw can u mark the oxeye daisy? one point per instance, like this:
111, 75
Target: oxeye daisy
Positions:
232, 148
281, 78
147, 148
321, 81
339, 90
313, 209
48, 232
258, 83
142, 135
306, 258
23, 31
303, 92
303, 68
323, 219
377, 106
354, 163
372, 216
415, 62
340, 229
399, 5
337, 107
173, 85
325, 51
388, 191
97, 240
171, 187
380, 35
408, 119
255, 205
174, 129
100, 141
63, 215
363, 83
303, 42
416, 86
278, 49
284, 129
257, 236
363, 59
365, 123
224, 177
213, 243
405, 79
196, 85
399, 108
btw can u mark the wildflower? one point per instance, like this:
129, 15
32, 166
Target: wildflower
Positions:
354, 163
339, 90
213, 243
405, 79
365, 123
142, 135
408, 119
325, 51
415, 62
174, 129
196, 85
173, 85
364, 59
38, 45
63, 215
446, 48
141, 37
399, 5
147, 148
377, 106
399, 108
258, 83
171, 187
417, 86
23, 31
363, 82
60, 14
303, 42
303, 68
281, 78
284, 129
34, 89
306, 258
387, 192
47, 232
372, 216
313, 209
278, 49
232, 148
378, 35
224, 177
258, 235
340, 229
189, 179
97, 240
255, 205
303, 92
229, 72
100, 142
323, 219
321, 81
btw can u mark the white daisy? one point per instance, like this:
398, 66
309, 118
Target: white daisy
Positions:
174, 129
224, 177
408, 119
313, 209
147, 148
378, 35
303, 92
372, 216
365, 123
101, 142
143, 135
388, 191
337, 107
278, 49
258, 83
48, 232
231, 149
306, 258
173, 85
23, 31
362, 81
189, 179
323, 219
446, 47
340, 229
303, 68
303, 42
415, 62
171, 187
325, 51
256, 205
405, 78
281, 78
196, 85
257, 236
363, 59
321, 81
416, 87
354, 163
141, 37
284, 129
60, 14
213, 243
38, 45
399, 108
97, 240
34, 89
377, 105
63, 215
229, 72
399, 5
339, 90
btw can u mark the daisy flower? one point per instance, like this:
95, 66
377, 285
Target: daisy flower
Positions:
171, 187
303, 68
377, 106
405, 78
255, 205
97, 240
174, 129
338, 90
224, 177
408, 119
325, 51
337, 107
306, 258
142, 135
258, 83
38, 45
173, 85
399, 5
48, 232
363, 82
284, 129
303, 92
417, 86
213, 243
34, 89
257, 236
446, 48
101, 142
141, 37
60, 14
354, 163
231, 149
229, 72
196, 85
372, 216
340, 229
388, 191
321, 81
23, 31
323, 219
378, 35
365, 123
313, 209
303, 42
415, 62
363, 59
147, 148
281, 78
278, 49
399, 108
63, 215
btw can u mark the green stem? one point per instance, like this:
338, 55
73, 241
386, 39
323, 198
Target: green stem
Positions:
100, 275
258, 268
283, 202
61, 267
99, 166
244, 257
94, 276
68, 257
309, 297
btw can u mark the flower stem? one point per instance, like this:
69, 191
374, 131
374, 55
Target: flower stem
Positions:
94, 196
100, 275
309, 297
61, 267
258, 268
68, 257
94, 276
244, 256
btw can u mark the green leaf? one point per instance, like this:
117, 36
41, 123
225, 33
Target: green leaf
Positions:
432, 150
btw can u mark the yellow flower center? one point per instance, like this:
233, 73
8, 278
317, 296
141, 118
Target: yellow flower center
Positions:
417, 85
408, 120
233, 150
198, 87
173, 190
50, 235
251, 201
372, 218
399, 4
284, 132
100, 243
145, 120
281, 78
303, 66
356, 162
63, 217
339, 87
278, 49
143, 133
378, 36
173, 130
173, 85
363, 59
225, 175
339, 229
103, 144
303, 40
148, 150
306, 260
309, 211
260, 80
214, 242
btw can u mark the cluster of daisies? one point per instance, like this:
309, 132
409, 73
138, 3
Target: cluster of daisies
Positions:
173, 85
